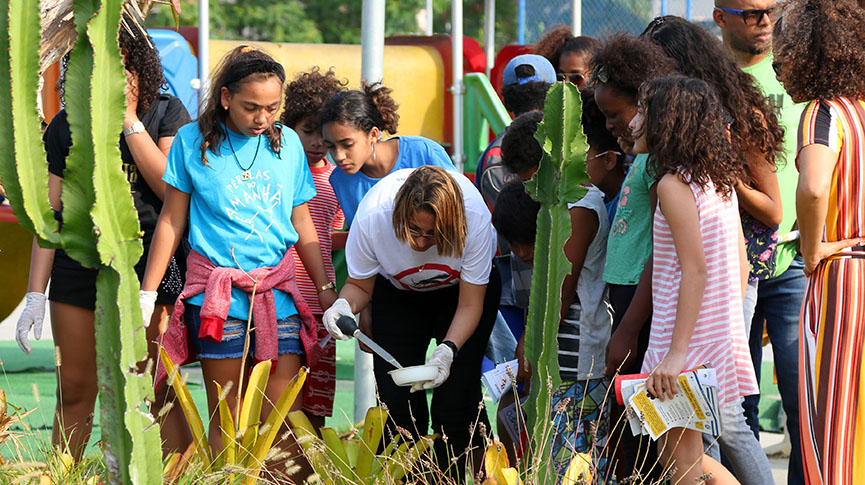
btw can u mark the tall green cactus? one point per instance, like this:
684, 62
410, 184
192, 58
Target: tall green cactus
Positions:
100, 224
559, 180
19, 73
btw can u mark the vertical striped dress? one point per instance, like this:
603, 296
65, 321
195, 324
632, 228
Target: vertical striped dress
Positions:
320, 388
832, 335
719, 338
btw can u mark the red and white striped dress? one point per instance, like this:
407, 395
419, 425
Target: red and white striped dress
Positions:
719, 336
326, 216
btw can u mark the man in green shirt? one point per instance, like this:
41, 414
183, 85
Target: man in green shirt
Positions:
746, 28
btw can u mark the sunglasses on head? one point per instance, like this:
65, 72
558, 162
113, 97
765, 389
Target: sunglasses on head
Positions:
571, 77
753, 16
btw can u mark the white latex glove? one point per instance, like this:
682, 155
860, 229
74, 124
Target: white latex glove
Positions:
147, 300
442, 357
31, 317
340, 308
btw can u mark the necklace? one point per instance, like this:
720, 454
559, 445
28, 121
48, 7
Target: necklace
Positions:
245, 174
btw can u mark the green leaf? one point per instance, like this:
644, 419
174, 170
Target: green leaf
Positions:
29, 197
76, 235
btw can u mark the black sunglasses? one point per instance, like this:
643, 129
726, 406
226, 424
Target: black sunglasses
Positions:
753, 16
572, 77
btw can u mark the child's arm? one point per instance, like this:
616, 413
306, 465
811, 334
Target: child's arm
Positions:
308, 249
680, 209
338, 239
622, 348
584, 227
744, 264
763, 199
169, 230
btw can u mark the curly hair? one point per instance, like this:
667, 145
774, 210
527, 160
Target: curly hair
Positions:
819, 48
520, 150
559, 40
686, 130
699, 55
624, 62
370, 107
522, 98
141, 58
307, 94
239, 66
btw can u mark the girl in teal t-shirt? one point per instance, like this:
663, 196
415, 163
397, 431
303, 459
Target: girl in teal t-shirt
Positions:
243, 182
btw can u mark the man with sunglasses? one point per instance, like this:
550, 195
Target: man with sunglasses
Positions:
746, 29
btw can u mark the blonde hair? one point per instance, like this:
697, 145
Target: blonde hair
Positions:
432, 189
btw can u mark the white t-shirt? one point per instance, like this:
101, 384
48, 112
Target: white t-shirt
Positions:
373, 248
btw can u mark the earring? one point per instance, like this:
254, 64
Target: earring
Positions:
225, 107
373, 151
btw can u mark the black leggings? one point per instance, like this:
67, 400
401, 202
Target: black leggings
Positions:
404, 322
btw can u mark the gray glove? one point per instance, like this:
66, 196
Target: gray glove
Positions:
31, 317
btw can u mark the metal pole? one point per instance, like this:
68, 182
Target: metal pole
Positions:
663, 7
203, 51
457, 89
688, 10
576, 17
429, 17
521, 22
371, 70
490, 34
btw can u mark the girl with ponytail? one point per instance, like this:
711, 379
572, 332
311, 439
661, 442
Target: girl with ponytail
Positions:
352, 125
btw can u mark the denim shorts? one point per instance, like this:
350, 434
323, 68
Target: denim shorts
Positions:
234, 335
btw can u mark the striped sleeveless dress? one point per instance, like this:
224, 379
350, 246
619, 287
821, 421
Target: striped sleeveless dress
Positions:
832, 330
719, 338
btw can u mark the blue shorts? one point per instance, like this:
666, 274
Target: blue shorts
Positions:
234, 335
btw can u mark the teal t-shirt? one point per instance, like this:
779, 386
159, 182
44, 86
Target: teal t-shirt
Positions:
252, 216
788, 177
630, 243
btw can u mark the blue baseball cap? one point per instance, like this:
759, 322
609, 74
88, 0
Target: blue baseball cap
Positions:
544, 71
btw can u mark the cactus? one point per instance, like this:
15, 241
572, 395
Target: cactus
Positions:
100, 227
559, 180
19, 73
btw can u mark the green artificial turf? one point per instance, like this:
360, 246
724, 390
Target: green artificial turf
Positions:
29, 382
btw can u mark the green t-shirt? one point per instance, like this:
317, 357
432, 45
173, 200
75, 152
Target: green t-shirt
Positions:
788, 176
630, 243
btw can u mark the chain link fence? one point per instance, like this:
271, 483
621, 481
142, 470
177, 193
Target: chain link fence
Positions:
605, 17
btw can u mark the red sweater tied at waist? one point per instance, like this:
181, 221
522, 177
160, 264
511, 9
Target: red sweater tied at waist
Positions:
216, 284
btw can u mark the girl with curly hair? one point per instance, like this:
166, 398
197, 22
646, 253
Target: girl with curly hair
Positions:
622, 64
242, 182
151, 121
570, 55
304, 98
820, 58
700, 268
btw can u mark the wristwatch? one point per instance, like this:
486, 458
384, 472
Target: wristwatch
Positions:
451, 346
329, 286
137, 127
